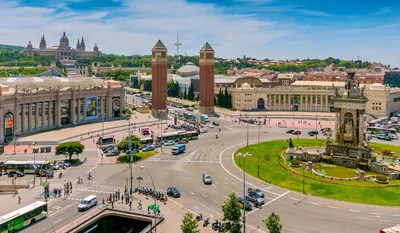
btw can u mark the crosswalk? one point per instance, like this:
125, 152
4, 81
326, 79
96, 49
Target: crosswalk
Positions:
94, 191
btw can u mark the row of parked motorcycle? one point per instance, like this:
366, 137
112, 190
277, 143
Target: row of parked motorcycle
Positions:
216, 226
151, 193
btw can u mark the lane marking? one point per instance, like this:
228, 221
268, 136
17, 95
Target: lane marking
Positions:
191, 192
294, 199
356, 211
215, 201
215, 191
57, 221
204, 195
396, 215
203, 189
224, 186
332, 207
312, 203
181, 161
276, 198
385, 220
62, 209
376, 213
214, 185
363, 218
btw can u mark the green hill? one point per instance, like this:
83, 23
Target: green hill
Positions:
11, 47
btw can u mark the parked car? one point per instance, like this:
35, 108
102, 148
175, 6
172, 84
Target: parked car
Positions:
297, 132
18, 173
169, 143
148, 148
313, 133
207, 178
210, 126
253, 197
384, 137
173, 192
54, 167
215, 123
203, 130
184, 141
62, 164
256, 190
190, 109
290, 131
244, 204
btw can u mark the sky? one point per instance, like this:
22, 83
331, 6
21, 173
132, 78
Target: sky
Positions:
274, 29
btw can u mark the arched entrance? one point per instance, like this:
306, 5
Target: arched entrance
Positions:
116, 108
8, 124
260, 103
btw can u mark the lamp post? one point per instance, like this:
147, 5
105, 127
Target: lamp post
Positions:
247, 130
258, 151
244, 185
34, 163
130, 152
316, 125
155, 199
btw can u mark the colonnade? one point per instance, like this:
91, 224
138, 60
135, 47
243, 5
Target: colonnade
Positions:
312, 103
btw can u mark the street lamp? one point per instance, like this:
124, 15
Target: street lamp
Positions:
34, 163
244, 185
130, 152
155, 199
258, 151
247, 130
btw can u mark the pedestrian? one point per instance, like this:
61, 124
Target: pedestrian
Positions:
122, 197
112, 204
130, 205
19, 199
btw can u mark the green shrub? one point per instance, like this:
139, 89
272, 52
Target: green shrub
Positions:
295, 162
233, 109
192, 105
381, 178
185, 106
123, 158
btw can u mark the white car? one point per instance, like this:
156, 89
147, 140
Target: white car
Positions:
203, 130
210, 126
55, 167
169, 143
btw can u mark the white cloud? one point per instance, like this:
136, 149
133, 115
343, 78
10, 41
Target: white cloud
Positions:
136, 28
383, 11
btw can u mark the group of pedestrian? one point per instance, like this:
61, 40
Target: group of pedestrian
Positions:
57, 192
67, 189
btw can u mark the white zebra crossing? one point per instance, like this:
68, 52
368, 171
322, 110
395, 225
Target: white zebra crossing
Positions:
93, 190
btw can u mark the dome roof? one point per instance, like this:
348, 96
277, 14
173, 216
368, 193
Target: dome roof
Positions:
189, 69
64, 40
246, 86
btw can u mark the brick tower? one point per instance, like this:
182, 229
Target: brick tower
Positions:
207, 79
159, 63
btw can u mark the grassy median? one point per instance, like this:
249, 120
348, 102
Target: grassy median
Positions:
272, 172
123, 158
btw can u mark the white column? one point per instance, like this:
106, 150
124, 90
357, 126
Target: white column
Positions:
50, 115
79, 110
43, 116
36, 116
29, 117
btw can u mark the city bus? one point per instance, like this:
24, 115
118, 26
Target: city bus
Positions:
16, 220
189, 135
27, 167
146, 141
105, 141
378, 130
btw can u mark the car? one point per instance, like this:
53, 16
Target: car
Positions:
169, 143
44, 173
173, 192
256, 190
157, 145
87, 203
62, 164
253, 197
215, 123
290, 131
384, 137
216, 114
190, 109
203, 130
297, 132
184, 141
54, 167
243, 203
148, 148
18, 173
210, 126
207, 178
313, 133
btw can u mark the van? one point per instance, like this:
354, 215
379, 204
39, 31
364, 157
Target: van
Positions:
88, 203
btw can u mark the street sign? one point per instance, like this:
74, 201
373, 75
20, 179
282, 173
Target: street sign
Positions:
15, 176
139, 178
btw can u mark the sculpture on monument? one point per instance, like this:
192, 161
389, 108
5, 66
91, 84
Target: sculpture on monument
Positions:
348, 131
291, 143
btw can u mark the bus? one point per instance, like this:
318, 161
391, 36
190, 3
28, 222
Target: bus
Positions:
145, 131
27, 167
16, 220
378, 130
189, 135
105, 141
146, 141
394, 229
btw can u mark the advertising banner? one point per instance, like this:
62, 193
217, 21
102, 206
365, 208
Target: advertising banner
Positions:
92, 108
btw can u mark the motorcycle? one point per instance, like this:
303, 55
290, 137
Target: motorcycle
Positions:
90, 177
60, 175
206, 222
199, 217
136, 190
217, 226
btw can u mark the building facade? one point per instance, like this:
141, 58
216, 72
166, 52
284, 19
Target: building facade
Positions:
63, 51
30, 105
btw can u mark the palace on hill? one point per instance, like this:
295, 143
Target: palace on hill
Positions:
63, 51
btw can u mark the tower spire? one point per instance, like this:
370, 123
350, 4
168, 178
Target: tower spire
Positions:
177, 44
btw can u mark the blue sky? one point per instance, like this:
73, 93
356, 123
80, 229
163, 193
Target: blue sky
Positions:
272, 29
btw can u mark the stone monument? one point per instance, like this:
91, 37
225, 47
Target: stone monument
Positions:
350, 148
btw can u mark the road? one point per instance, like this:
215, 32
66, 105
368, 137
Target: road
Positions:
298, 213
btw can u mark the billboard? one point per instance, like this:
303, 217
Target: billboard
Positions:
92, 109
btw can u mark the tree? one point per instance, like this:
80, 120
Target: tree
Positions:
272, 223
232, 214
185, 94
69, 149
189, 224
124, 144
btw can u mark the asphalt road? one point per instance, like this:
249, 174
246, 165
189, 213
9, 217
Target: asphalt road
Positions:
299, 213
